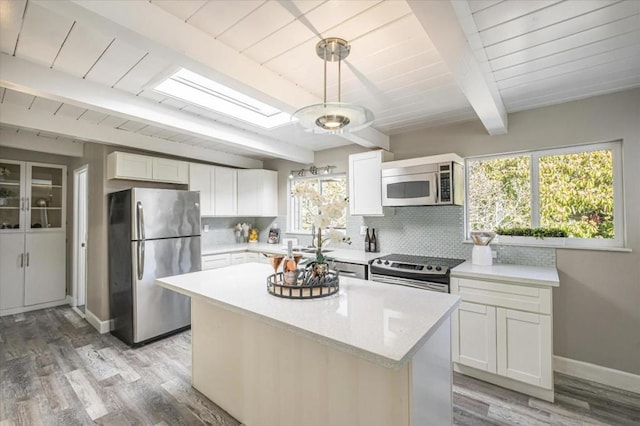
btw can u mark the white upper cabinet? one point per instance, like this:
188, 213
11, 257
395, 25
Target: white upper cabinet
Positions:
365, 190
123, 165
165, 170
257, 193
200, 179
225, 188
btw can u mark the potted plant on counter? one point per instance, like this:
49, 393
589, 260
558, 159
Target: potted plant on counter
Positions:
532, 236
324, 211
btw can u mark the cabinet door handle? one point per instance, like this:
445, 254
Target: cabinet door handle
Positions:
26, 206
21, 260
27, 262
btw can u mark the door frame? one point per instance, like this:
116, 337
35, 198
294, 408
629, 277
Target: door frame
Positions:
76, 280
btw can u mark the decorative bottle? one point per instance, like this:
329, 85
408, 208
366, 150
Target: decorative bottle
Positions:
289, 267
373, 245
367, 242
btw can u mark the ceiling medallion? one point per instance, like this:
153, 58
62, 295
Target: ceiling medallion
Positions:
333, 117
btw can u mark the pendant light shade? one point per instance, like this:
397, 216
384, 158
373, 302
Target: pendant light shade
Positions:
333, 117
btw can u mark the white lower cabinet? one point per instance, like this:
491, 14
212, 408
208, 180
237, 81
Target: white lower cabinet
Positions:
33, 269
213, 261
524, 347
503, 332
475, 343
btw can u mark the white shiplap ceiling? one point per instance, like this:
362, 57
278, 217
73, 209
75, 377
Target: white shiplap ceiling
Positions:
85, 68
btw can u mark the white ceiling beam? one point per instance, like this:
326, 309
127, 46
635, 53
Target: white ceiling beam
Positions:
11, 138
443, 26
368, 138
25, 76
153, 29
15, 115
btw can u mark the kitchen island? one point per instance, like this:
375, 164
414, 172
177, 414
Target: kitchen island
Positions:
373, 354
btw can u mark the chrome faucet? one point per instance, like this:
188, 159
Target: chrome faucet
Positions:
313, 236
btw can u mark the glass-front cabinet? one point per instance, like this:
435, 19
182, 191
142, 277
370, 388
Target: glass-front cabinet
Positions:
32, 196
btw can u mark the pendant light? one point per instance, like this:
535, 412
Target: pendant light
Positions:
333, 117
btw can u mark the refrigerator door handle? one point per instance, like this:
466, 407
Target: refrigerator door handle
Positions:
140, 217
140, 259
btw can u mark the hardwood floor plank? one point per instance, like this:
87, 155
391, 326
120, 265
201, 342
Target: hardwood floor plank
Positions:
195, 402
95, 363
75, 319
112, 356
92, 403
53, 371
567, 400
52, 388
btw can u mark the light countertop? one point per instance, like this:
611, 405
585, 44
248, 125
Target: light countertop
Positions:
536, 275
382, 323
342, 254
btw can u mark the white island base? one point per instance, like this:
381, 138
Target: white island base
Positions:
266, 375
277, 362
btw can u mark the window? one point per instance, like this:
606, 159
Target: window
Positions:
199, 90
302, 210
577, 189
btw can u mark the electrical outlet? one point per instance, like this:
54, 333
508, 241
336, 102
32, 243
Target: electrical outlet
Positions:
363, 230
205, 228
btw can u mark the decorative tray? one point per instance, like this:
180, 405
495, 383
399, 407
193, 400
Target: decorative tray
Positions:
308, 285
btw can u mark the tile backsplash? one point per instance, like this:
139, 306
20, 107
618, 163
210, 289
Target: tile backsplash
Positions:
221, 229
427, 231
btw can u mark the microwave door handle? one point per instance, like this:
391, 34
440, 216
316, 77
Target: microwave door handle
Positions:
437, 185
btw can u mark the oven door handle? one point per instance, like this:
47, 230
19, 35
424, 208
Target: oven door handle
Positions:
422, 285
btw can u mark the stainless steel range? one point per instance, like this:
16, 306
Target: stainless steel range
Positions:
428, 273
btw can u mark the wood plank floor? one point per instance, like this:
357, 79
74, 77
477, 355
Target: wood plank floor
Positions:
55, 369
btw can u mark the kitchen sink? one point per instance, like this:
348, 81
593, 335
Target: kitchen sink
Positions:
310, 250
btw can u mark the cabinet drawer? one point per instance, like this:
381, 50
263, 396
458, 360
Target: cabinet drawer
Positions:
252, 257
514, 296
214, 261
237, 258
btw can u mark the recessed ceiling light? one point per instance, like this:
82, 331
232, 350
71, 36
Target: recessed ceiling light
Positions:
206, 93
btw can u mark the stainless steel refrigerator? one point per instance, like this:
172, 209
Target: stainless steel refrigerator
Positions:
153, 233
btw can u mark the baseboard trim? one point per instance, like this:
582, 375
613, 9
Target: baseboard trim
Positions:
102, 326
596, 373
23, 309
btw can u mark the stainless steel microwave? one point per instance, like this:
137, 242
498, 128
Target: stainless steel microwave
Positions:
429, 184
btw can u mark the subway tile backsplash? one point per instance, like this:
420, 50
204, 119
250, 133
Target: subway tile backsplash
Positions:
427, 231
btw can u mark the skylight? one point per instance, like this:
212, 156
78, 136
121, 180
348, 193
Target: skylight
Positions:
196, 89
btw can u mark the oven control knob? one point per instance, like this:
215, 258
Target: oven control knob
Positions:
379, 261
429, 267
386, 262
438, 268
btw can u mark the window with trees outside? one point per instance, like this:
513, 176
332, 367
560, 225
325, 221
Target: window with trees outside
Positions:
302, 210
576, 189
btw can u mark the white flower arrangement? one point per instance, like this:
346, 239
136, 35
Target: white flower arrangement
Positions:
328, 210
